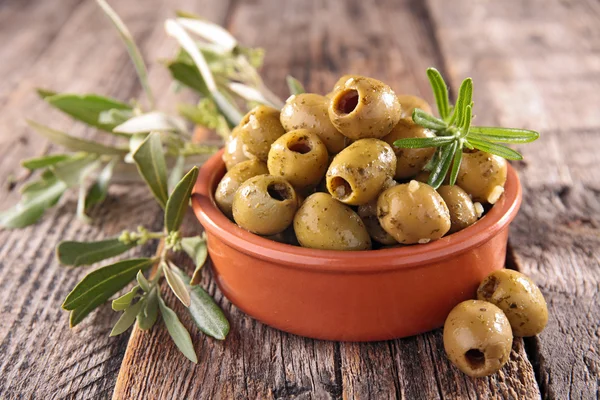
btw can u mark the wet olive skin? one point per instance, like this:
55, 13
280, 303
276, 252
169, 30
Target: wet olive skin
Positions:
460, 205
519, 298
232, 180
480, 173
234, 150
309, 111
477, 338
324, 223
409, 103
255, 210
410, 161
413, 212
368, 213
364, 108
357, 174
300, 157
259, 129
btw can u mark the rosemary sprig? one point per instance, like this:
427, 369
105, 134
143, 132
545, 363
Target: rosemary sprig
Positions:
454, 132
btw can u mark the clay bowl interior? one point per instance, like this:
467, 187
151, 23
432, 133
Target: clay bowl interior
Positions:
355, 295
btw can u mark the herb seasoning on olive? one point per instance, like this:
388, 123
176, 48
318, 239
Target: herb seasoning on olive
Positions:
482, 175
519, 298
460, 205
477, 338
233, 179
259, 129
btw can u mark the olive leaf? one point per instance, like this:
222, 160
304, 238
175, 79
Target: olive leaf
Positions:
176, 284
85, 253
179, 200
99, 190
187, 74
142, 281
150, 160
195, 247
77, 315
87, 108
38, 196
72, 170
294, 85
74, 143
43, 93
152, 121
209, 31
104, 282
147, 317
250, 94
127, 319
176, 172
207, 315
121, 303
45, 161
177, 331
114, 117
132, 49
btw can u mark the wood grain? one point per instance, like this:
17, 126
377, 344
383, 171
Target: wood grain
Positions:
538, 68
259, 362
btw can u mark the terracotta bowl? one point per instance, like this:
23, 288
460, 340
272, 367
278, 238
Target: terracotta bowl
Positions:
354, 295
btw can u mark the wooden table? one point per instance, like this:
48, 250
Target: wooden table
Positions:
535, 64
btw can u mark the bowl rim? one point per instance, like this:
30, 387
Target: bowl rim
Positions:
413, 256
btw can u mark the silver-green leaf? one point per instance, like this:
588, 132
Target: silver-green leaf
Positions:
105, 282
99, 190
86, 253
45, 161
195, 247
142, 281
152, 121
150, 160
177, 331
127, 319
176, 284
121, 303
179, 200
294, 85
147, 317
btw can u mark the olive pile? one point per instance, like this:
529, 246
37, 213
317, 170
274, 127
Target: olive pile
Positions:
478, 334
327, 166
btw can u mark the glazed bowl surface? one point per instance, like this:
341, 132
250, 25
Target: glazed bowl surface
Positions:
354, 295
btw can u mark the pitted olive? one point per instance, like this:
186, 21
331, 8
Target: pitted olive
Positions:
324, 223
357, 174
364, 108
413, 213
234, 150
233, 179
265, 205
482, 176
309, 111
477, 338
519, 298
300, 157
259, 129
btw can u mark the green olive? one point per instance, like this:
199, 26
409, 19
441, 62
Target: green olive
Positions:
234, 150
364, 108
460, 205
410, 161
409, 103
324, 223
413, 213
519, 298
309, 111
265, 205
232, 180
259, 129
477, 338
300, 157
482, 175
357, 174
368, 213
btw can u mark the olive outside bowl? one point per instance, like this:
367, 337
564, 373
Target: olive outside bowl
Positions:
351, 295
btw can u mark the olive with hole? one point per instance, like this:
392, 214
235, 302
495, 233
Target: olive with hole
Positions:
357, 174
409, 103
461, 207
324, 223
265, 205
368, 213
482, 176
410, 161
364, 108
233, 179
234, 150
300, 157
477, 338
259, 129
413, 213
309, 111
519, 298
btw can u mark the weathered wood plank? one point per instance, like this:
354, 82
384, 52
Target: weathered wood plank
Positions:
533, 65
70, 46
393, 42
